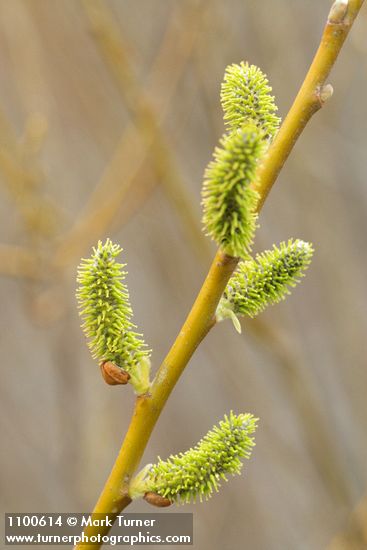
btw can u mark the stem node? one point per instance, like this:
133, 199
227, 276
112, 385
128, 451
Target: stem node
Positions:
324, 93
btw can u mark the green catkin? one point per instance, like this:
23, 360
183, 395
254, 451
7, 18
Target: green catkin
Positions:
228, 197
246, 97
198, 472
265, 280
105, 308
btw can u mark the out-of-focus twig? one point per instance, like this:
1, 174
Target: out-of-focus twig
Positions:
32, 140
354, 537
7, 135
112, 46
16, 261
318, 438
23, 177
119, 176
138, 102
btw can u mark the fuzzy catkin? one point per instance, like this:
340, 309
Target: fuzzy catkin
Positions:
105, 309
228, 197
265, 280
246, 97
198, 472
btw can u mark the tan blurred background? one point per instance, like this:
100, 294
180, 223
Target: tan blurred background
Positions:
107, 133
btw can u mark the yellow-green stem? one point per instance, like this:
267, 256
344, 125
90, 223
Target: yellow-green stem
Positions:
310, 98
114, 497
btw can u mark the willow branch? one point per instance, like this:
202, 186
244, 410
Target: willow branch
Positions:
312, 94
114, 497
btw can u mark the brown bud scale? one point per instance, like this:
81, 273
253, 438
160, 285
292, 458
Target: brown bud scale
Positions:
157, 500
113, 375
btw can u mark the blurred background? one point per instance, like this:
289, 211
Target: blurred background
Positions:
109, 112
